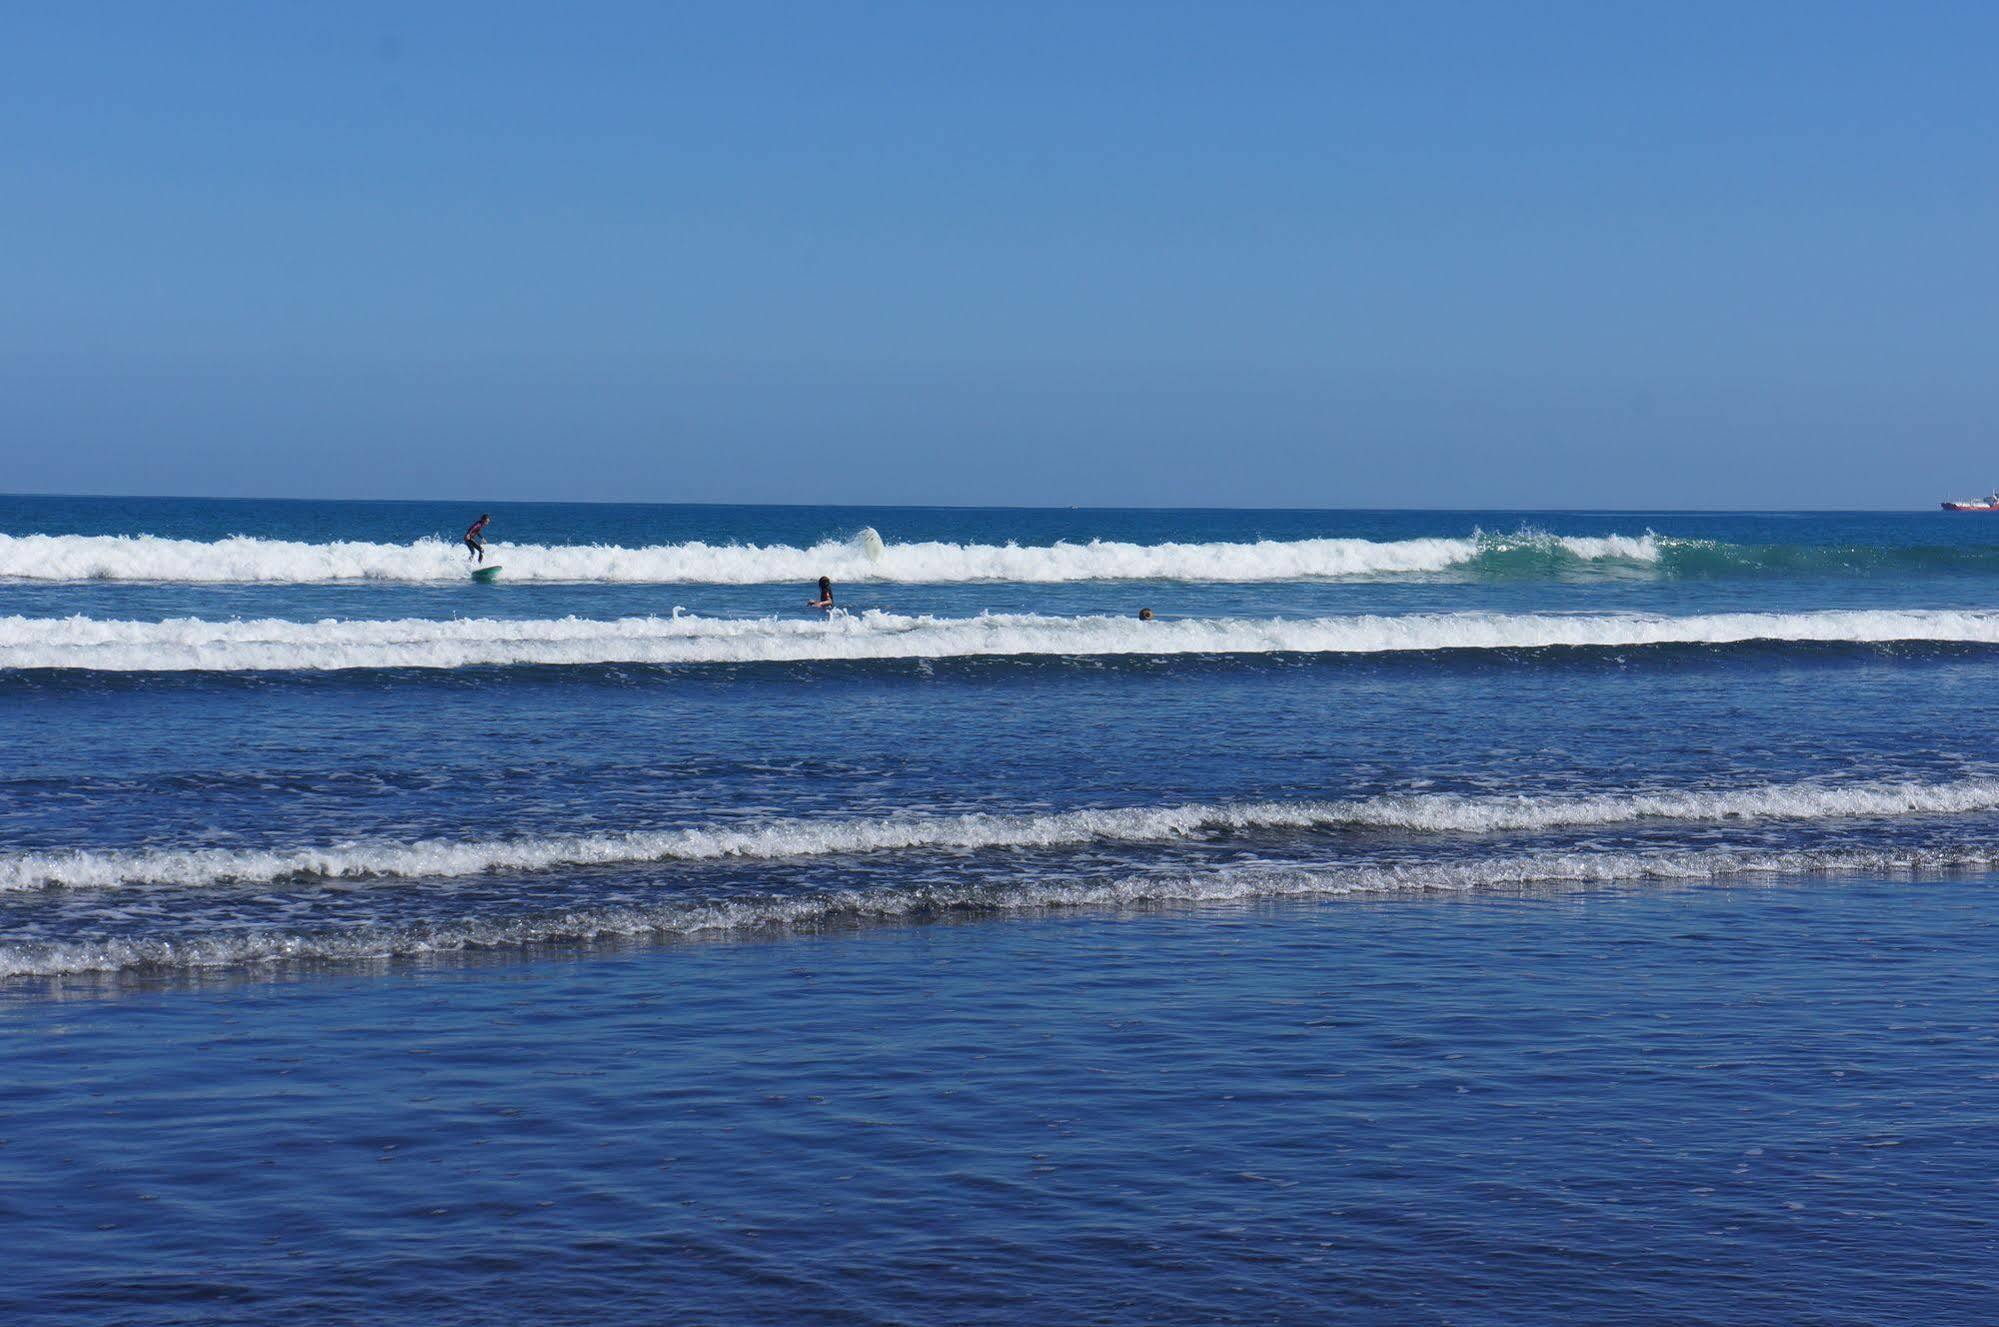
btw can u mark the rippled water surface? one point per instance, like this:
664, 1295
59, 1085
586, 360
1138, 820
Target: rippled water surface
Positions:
1428, 917
1716, 1105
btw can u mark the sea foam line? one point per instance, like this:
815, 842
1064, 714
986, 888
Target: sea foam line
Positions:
754, 914
191, 644
864, 557
1414, 813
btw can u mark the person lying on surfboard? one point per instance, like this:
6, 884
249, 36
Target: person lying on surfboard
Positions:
825, 599
475, 538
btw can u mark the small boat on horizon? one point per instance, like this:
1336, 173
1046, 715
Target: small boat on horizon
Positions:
1976, 504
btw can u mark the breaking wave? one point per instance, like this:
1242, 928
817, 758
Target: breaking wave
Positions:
752, 914
1416, 813
864, 557
193, 644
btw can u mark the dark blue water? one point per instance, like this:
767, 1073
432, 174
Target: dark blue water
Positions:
1440, 917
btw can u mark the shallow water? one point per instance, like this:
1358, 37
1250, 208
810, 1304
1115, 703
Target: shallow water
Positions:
1709, 1105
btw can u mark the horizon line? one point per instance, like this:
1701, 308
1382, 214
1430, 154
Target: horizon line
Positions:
961, 506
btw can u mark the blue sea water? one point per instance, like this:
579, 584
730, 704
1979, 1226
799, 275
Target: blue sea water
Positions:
1442, 917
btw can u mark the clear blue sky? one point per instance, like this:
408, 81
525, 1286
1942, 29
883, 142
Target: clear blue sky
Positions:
1405, 254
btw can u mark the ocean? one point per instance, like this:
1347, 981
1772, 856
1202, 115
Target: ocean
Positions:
1426, 917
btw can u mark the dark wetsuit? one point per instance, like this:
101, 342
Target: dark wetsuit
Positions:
473, 542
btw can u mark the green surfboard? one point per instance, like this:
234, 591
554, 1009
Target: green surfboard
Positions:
486, 575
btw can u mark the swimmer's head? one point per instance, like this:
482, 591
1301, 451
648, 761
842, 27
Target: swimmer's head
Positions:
825, 584
1145, 615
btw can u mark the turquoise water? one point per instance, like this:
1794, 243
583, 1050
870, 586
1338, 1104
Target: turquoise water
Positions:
1430, 917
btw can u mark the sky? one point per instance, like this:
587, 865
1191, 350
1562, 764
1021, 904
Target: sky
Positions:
1329, 255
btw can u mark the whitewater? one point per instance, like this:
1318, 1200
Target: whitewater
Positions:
363, 941
1415, 813
271, 644
864, 557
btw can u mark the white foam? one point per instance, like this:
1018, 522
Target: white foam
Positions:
192, 644
763, 914
1420, 813
864, 557
1587, 548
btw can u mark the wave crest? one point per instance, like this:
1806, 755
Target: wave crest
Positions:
1426, 813
864, 557
198, 645
362, 943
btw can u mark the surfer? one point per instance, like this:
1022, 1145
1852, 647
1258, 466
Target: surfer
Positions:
825, 599
1145, 615
475, 538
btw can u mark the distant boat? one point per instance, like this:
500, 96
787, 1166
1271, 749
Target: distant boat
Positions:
1977, 504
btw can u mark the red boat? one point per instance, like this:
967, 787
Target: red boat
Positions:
1977, 504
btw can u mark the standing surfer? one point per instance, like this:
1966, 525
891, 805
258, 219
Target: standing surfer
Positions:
825, 599
475, 537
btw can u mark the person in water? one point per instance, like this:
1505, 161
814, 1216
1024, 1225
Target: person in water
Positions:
825, 599
1145, 615
475, 538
